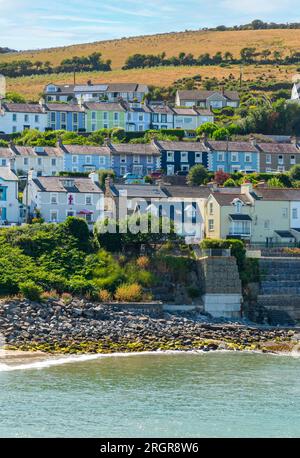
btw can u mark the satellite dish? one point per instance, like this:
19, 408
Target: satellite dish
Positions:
2, 87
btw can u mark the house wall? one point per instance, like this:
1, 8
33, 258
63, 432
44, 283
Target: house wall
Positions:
80, 163
137, 121
15, 122
178, 161
228, 165
9, 204
162, 121
44, 167
295, 219
104, 119
273, 164
190, 122
131, 164
57, 119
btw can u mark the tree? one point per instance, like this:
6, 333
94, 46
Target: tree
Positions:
15, 97
248, 54
220, 177
295, 172
208, 128
197, 175
221, 134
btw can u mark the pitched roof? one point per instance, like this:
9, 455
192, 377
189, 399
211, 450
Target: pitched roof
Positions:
140, 191
277, 194
23, 107
5, 152
181, 146
188, 192
202, 95
164, 109
279, 148
225, 199
61, 88
191, 112
134, 148
103, 106
63, 107
232, 146
7, 175
37, 151
57, 184
87, 149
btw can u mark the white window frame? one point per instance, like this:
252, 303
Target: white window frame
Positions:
54, 198
54, 212
211, 225
88, 197
170, 156
184, 156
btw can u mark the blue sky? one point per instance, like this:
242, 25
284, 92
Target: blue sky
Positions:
31, 24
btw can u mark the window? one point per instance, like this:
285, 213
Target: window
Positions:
88, 199
268, 159
88, 159
284, 213
234, 157
211, 208
123, 170
75, 118
53, 162
63, 117
198, 157
3, 162
74, 169
123, 158
53, 216
70, 213
141, 128
155, 118
2, 193
136, 159
141, 117
52, 117
39, 161
25, 161
93, 115
116, 117
93, 127
185, 168
293, 160
105, 115
26, 118
74, 159
211, 225
220, 168
170, 156
220, 157
102, 160
14, 129
53, 198
14, 117
238, 207
149, 159
280, 159
163, 118
36, 118
295, 213
184, 156
105, 126
248, 157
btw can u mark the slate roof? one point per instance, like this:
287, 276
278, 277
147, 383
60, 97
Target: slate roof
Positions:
225, 199
277, 194
56, 184
87, 149
187, 192
138, 191
100, 87
34, 151
23, 107
103, 106
232, 146
202, 95
191, 112
131, 148
5, 153
181, 146
7, 175
70, 107
279, 148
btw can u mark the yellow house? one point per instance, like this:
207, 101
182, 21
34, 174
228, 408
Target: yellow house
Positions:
258, 215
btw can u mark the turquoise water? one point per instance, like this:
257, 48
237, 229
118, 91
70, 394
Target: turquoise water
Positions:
182, 395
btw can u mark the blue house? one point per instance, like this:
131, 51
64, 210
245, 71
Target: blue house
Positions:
82, 158
139, 159
181, 156
233, 157
63, 116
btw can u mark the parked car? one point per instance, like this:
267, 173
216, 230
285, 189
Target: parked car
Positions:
131, 176
157, 174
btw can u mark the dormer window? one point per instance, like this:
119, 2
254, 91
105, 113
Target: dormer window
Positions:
68, 183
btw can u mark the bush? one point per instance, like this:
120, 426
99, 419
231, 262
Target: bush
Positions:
143, 262
250, 272
197, 175
129, 293
66, 298
31, 290
104, 295
237, 248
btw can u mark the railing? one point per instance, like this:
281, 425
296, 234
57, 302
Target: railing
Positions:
216, 252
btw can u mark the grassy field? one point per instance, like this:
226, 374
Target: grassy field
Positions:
32, 86
173, 43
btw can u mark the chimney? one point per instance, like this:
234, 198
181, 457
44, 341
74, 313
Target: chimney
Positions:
94, 177
108, 182
32, 174
294, 141
253, 141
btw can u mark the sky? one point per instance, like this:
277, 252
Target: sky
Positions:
33, 24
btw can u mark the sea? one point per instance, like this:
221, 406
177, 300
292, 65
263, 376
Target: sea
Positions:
174, 395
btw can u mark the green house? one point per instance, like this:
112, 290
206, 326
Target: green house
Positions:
105, 116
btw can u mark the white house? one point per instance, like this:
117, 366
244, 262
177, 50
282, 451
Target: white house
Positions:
45, 160
191, 118
9, 204
16, 117
206, 99
56, 198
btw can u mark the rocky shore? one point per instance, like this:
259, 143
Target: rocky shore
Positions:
85, 327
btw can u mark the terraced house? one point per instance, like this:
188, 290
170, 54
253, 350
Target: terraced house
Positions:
277, 157
191, 118
16, 117
102, 115
139, 159
63, 116
83, 158
181, 156
233, 156
108, 92
45, 160
207, 99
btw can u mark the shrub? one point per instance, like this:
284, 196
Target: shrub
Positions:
104, 295
31, 290
197, 175
66, 298
237, 248
50, 295
143, 262
250, 272
129, 293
